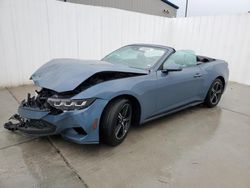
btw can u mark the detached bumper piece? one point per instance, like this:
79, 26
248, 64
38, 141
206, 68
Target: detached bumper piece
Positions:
13, 126
34, 127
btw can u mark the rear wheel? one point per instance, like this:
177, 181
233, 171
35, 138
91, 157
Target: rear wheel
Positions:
214, 94
116, 121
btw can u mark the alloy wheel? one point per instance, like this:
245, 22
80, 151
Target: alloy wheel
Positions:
123, 121
216, 92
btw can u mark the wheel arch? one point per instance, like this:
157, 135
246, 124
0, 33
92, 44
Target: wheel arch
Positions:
136, 107
223, 81
211, 80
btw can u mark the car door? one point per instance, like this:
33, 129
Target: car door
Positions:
179, 88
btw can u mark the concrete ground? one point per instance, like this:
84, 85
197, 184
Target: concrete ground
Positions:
197, 147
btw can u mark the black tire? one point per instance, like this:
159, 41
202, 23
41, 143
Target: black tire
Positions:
214, 93
115, 122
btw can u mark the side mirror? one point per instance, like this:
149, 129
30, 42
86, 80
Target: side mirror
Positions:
171, 67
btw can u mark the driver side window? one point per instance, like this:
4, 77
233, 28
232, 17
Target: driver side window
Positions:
184, 58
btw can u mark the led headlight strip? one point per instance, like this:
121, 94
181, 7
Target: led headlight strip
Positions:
69, 104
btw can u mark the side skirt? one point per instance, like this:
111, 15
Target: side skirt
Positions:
172, 111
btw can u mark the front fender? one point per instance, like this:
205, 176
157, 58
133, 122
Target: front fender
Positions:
140, 87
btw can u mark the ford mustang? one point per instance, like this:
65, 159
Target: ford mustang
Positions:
89, 101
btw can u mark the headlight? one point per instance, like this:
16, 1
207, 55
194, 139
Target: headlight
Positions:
69, 104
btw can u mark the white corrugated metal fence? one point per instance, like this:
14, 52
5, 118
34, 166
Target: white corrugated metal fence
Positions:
34, 31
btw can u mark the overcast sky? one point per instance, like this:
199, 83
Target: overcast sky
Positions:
212, 7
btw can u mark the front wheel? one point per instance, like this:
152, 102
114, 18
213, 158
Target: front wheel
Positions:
116, 121
214, 93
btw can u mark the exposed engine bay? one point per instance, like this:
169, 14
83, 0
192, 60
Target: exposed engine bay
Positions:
102, 77
40, 100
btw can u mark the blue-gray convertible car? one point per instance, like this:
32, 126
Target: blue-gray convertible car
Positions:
90, 101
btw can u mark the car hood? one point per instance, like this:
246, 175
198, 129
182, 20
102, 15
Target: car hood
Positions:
62, 75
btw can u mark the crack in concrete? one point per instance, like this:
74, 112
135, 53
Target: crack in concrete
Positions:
241, 113
67, 162
16, 144
12, 95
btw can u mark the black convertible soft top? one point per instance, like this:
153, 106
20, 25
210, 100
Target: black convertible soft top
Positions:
204, 59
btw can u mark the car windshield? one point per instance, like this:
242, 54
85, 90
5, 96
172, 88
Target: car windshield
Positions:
140, 57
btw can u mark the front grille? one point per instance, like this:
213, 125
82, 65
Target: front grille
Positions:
37, 127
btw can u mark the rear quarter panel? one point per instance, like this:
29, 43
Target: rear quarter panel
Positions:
213, 70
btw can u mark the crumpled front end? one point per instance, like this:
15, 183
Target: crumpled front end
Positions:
56, 109
38, 116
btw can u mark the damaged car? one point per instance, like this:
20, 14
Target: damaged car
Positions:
87, 101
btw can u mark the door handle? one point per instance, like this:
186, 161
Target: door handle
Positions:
198, 75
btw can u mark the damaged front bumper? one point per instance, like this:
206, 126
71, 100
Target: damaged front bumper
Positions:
80, 126
29, 121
